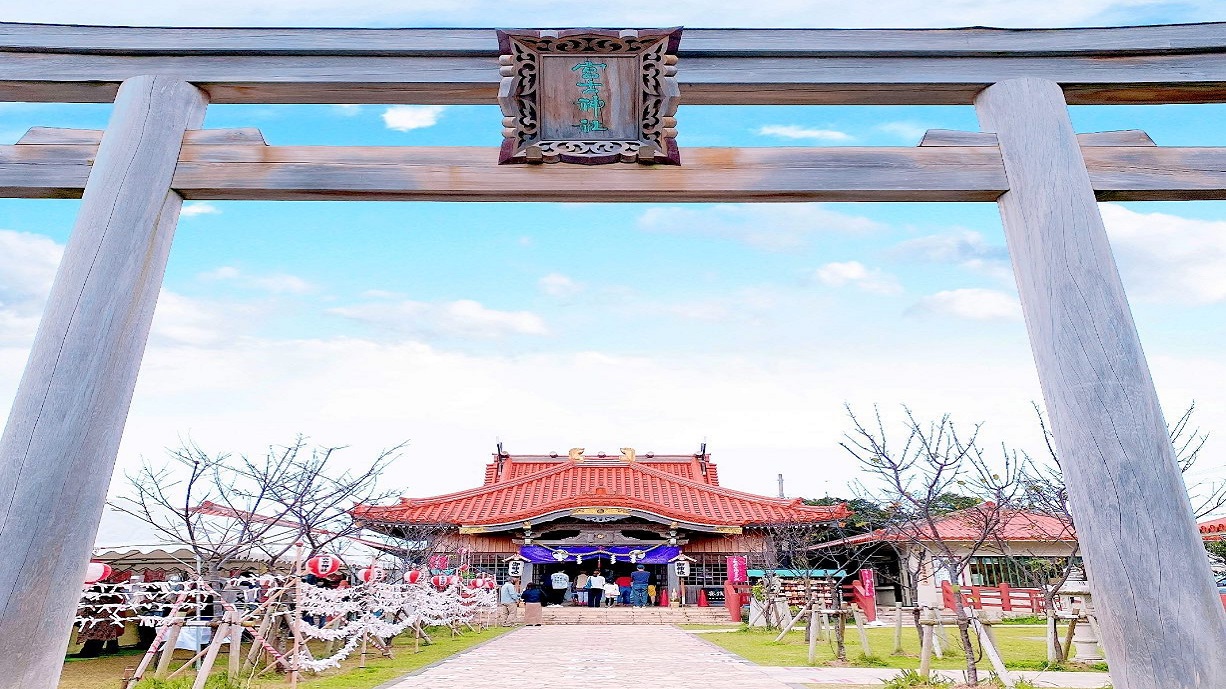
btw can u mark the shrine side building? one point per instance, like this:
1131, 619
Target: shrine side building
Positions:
577, 512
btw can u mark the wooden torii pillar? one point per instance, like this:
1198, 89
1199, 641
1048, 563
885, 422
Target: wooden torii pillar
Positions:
59, 447
1161, 619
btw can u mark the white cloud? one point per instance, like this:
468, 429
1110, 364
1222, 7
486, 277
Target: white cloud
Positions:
1167, 258
791, 131
908, 131
967, 249
558, 285
403, 118
277, 283
194, 208
857, 274
461, 318
347, 109
27, 268
774, 227
974, 304
750, 304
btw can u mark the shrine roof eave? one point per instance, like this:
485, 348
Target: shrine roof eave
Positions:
615, 506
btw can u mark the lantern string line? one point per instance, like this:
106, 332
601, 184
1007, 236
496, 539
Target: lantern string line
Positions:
373, 609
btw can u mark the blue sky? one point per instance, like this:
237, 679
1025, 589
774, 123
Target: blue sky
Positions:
550, 326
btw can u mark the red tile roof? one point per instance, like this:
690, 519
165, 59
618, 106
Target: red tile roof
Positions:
966, 525
594, 483
1213, 529
693, 467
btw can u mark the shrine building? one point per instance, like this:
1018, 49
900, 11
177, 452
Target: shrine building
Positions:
577, 512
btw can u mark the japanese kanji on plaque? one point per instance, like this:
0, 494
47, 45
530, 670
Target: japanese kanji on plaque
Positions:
589, 96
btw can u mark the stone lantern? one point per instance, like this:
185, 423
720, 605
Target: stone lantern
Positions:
1085, 641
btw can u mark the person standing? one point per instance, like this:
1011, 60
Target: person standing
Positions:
533, 597
508, 600
623, 589
595, 590
581, 588
612, 592
638, 587
560, 581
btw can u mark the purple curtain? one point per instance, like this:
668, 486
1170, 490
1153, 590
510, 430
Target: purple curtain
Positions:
656, 555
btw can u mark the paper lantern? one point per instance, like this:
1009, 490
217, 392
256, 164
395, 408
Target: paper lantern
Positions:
491, 584
476, 583
462, 568
323, 565
372, 574
440, 582
96, 572
453, 580
413, 576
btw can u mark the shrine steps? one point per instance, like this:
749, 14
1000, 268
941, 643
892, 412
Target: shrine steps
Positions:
631, 615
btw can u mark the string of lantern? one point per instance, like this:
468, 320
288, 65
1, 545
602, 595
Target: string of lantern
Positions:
373, 609
563, 555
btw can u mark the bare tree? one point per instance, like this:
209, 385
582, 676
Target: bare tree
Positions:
1046, 494
913, 479
230, 510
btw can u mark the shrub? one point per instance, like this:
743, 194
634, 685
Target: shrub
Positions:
910, 679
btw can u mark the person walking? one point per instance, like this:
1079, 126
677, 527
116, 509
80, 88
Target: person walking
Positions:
508, 601
595, 590
559, 581
534, 598
638, 587
581, 588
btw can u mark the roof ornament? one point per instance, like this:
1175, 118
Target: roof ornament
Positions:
628, 454
576, 454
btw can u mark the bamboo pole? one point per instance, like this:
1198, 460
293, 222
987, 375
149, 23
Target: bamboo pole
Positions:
813, 631
210, 658
987, 642
236, 646
927, 624
897, 630
172, 639
861, 620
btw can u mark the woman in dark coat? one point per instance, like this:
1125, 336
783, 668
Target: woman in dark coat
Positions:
533, 597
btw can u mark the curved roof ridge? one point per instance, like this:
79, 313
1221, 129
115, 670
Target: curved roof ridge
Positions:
730, 492
469, 492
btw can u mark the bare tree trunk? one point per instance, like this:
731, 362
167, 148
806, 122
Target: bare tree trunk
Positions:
964, 635
840, 636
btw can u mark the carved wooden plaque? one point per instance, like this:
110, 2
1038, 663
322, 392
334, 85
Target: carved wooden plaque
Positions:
589, 96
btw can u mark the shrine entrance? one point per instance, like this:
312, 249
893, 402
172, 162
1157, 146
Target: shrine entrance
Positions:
601, 104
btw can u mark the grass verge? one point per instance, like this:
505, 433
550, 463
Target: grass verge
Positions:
108, 670
1023, 648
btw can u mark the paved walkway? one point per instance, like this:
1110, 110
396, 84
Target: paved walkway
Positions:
569, 656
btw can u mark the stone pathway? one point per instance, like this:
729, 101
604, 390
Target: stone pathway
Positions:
577, 655
570, 656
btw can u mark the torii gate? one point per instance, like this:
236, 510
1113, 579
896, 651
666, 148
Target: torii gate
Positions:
1161, 620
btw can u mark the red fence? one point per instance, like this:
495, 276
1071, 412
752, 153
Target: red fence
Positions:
1004, 597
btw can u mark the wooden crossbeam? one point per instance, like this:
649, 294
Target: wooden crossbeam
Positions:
230, 165
1152, 64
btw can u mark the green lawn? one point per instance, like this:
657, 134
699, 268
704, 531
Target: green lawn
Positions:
108, 670
1022, 647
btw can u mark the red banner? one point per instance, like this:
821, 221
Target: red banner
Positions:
866, 593
738, 569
